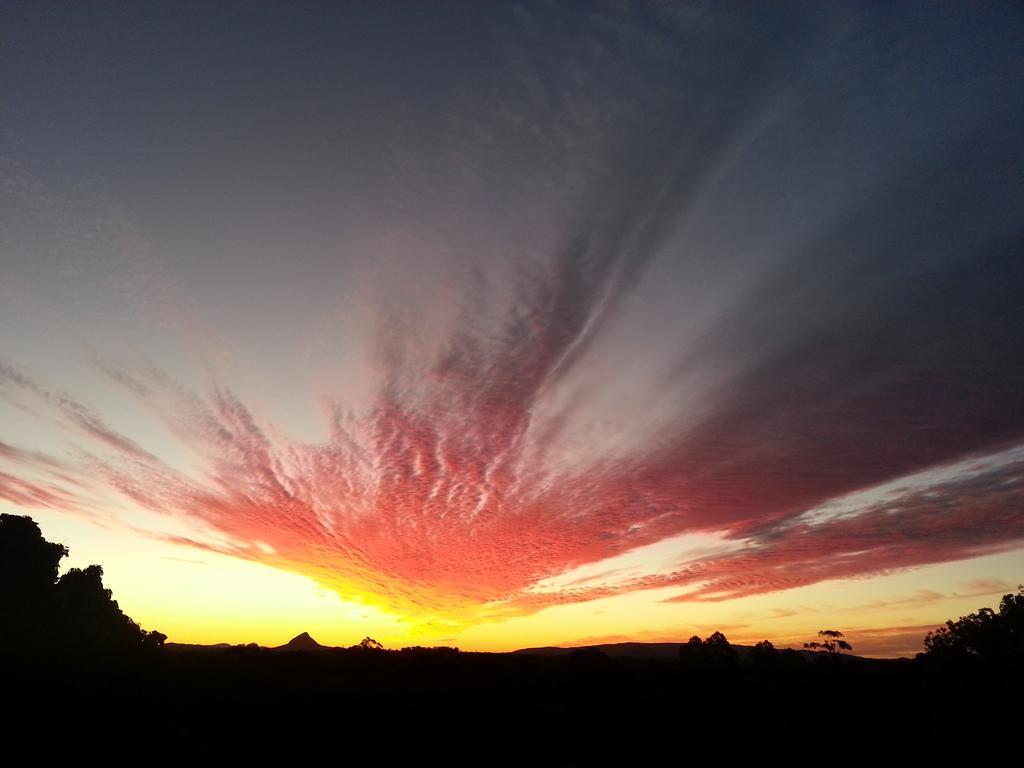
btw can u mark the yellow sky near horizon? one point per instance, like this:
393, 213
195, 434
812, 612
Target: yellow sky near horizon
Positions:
207, 597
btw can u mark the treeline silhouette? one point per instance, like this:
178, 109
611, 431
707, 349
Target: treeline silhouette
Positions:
73, 615
81, 679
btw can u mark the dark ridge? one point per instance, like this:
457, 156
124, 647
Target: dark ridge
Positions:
667, 651
301, 642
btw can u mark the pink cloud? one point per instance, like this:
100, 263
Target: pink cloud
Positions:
445, 499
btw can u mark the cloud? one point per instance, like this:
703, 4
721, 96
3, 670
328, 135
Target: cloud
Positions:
705, 276
30, 458
963, 513
430, 506
25, 493
986, 587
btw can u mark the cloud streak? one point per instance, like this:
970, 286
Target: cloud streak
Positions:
431, 505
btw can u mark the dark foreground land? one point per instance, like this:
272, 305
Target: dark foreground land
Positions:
457, 708
83, 683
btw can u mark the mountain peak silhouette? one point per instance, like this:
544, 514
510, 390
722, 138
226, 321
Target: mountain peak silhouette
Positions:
301, 642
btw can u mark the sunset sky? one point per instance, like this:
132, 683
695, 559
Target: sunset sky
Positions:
512, 324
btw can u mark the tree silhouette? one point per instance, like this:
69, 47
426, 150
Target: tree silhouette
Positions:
984, 634
717, 649
370, 644
764, 652
73, 613
691, 652
28, 572
85, 604
832, 642
28, 562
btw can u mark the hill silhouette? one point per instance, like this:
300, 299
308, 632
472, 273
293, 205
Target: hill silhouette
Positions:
301, 642
80, 674
668, 651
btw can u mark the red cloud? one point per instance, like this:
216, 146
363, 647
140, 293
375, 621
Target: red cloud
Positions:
445, 500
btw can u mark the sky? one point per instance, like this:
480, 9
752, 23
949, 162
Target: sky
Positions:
518, 324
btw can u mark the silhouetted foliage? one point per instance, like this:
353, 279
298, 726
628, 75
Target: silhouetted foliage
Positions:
368, 643
28, 562
718, 650
692, 651
985, 634
764, 652
41, 612
154, 639
715, 651
832, 642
